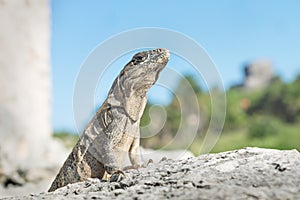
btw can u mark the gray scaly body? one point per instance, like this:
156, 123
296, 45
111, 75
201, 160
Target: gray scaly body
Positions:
114, 131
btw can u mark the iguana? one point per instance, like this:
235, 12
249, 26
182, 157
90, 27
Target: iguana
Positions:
114, 131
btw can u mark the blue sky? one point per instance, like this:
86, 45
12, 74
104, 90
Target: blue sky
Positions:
232, 32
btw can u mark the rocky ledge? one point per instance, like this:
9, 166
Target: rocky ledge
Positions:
250, 173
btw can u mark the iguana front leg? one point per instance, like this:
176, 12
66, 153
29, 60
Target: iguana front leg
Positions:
134, 153
113, 171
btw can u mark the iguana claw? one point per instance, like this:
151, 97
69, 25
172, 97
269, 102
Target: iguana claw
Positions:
117, 176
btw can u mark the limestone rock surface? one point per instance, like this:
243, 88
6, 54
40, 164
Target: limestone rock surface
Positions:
249, 173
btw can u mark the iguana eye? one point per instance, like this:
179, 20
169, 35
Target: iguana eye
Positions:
139, 58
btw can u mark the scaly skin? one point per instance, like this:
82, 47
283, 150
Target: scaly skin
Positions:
114, 131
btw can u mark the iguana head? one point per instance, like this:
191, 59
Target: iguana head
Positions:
137, 77
143, 69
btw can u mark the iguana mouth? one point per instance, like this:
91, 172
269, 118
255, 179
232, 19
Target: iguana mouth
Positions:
164, 56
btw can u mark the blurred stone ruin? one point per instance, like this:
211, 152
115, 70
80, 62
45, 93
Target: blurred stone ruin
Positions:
258, 74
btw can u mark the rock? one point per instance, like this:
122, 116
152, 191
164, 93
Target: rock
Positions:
250, 173
158, 155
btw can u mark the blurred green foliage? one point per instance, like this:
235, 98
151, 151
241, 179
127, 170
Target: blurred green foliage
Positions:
279, 100
69, 139
268, 117
261, 126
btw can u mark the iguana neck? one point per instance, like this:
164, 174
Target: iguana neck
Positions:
132, 103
